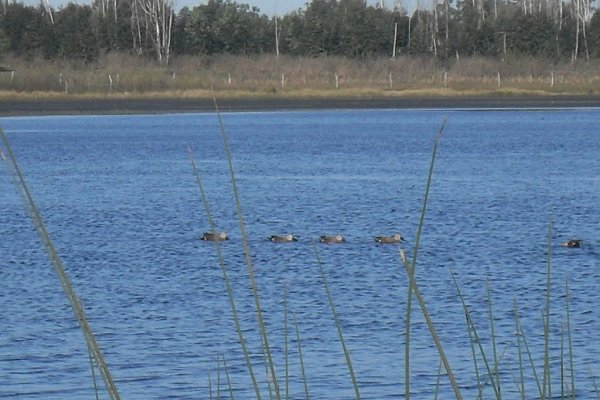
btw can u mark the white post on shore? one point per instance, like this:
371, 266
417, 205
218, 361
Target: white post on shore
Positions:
337, 83
229, 78
551, 78
282, 80
12, 76
498, 79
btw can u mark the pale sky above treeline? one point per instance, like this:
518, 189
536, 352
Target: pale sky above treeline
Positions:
269, 7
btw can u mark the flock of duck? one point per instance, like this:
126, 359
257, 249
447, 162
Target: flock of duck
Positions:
329, 239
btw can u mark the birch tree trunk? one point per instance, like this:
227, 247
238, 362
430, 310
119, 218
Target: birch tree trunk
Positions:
158, 15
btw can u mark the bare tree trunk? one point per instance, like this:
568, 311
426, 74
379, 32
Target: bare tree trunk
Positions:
276, 38
447, 27
48, 9
408, 43
395, 39
585, 18
136, 29
577, 5
158, 15
434, 27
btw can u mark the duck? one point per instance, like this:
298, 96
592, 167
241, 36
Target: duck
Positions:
395, 238
282, 239
572, 243
214, 237
332, 239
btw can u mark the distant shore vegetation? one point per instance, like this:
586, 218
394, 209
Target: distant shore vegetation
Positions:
143, 46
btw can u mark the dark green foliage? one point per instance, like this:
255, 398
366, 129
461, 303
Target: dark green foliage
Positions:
113, 27
534, 35
28, 31
594, 36
227, 27
350, 28
75, 35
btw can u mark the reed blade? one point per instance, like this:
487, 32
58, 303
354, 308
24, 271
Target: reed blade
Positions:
413, 265
471, 326
65, 282
529, 355
429, 322
546, 379
229, 387
519, 334
337, 324
228, 287
247, 256
304, 380
493, 334
570, 339
286, 342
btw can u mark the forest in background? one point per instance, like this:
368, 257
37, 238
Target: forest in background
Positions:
448, 29
329, 48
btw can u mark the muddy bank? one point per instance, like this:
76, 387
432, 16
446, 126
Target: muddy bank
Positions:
174, 105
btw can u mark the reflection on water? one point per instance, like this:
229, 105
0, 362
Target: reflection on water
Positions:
120, 203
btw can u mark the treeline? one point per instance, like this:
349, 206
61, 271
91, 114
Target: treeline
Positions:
549, 28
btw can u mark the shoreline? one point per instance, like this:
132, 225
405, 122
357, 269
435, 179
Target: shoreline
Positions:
120, 106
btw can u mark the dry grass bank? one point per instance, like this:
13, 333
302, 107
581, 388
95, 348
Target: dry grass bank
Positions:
120, 75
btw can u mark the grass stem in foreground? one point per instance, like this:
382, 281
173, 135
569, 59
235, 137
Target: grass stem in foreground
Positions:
429, 322
411, 269
65, 282
518, 334
570, 339
285, 342
493, 337
337, 325
528, 351
546, 380
248, 257
228, 379
307, 396
471, 326
221, 261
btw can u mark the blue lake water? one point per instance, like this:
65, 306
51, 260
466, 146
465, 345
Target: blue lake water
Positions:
121, 204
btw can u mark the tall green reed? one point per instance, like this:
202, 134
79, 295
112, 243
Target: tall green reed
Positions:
265, 347
337, 324
546, 381
412, 267
93, 347
476, 339
286, 342
570, 339
246, 248
413, 288
228, 286
493, 337
304, 380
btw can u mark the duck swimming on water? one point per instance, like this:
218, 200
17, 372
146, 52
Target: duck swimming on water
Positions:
214, 237
395, 238
282, 239
332, 239
572, 243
